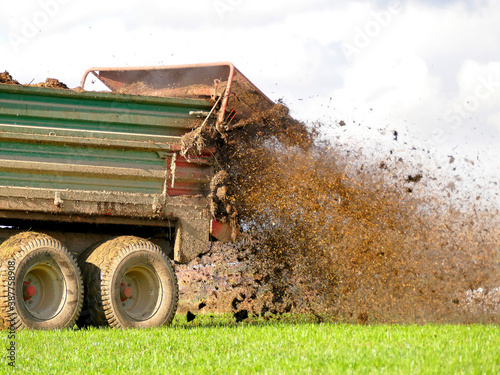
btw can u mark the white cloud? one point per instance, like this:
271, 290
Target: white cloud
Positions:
410, 72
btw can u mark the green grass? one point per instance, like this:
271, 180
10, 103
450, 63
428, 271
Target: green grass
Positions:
218, 346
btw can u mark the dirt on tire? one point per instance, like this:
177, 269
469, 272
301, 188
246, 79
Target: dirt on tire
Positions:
103, 265
28, 251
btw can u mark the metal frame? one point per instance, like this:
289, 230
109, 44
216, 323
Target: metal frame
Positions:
232, 71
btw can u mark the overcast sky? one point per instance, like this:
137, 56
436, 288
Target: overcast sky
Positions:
428, 69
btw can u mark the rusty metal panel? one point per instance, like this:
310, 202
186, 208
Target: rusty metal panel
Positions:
189, 176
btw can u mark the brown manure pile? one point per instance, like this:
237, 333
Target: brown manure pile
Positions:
6, 78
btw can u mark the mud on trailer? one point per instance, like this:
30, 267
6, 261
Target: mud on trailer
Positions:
98, 193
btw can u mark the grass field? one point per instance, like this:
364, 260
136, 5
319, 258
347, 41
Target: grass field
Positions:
216, 345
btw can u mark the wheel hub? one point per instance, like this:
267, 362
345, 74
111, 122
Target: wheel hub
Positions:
28, 290
140, 291
43, 291
126, 292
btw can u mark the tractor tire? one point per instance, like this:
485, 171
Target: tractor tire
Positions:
41, 285
129, 283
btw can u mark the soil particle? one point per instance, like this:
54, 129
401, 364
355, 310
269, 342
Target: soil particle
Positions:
190, 316
240, 315
416, 178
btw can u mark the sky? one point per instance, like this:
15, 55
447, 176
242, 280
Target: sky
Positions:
429, 70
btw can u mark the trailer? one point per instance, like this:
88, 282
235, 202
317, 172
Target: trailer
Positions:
99, 196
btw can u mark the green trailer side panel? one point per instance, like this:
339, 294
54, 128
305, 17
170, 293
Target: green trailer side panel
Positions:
53, 108
65, 181
56, 153
61, 139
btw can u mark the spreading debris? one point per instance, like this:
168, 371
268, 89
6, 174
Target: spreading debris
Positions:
326, 238
323, 236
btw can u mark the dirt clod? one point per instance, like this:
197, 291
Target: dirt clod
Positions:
6, 78
416, 178
241, 315
362, 318
51, 83
190, 316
